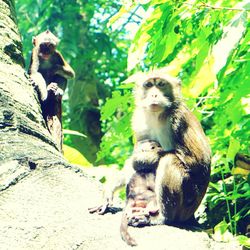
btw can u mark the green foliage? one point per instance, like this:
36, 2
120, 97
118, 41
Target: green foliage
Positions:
208, 48
75, 157
244, 240
116, 142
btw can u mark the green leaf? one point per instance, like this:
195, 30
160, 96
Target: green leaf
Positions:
111, 105
221, 227
75, 157
233, 149
243, 240
123, 10
73, 132
142, 37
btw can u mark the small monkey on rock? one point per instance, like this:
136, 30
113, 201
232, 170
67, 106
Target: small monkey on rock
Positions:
49, 72
141, 201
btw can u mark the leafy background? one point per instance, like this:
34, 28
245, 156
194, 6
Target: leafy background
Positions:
205, 44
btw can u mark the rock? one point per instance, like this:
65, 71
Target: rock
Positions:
48, 209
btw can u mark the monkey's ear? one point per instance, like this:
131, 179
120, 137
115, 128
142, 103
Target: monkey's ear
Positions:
34, 40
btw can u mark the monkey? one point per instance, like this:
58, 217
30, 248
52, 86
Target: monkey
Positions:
182, 176
140, 194
49, 72
48, 69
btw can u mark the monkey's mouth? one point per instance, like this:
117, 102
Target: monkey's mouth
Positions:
44, 56
155, 107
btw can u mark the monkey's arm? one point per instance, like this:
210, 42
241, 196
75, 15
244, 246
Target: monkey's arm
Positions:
37, 79
62, 68
40, 85
113, 184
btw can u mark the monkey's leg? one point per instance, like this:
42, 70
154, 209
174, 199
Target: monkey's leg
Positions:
52, 113
168, 187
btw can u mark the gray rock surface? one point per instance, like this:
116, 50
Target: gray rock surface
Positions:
47, 209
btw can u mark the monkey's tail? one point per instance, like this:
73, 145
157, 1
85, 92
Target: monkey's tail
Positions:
124, 231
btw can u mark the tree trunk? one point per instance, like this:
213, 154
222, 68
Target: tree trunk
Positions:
23, 133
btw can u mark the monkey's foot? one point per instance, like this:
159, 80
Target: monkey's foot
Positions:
157, 219
138, 217
140, 220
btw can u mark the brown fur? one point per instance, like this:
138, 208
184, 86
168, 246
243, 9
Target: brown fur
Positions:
140, 191
182, 176
47, 63
49, 72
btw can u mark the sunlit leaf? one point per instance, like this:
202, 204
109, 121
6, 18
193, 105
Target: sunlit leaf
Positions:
123, 10
243, 240
233, 149
73, 132
231, 37
221, 232
142, 37
240, 171
204, 78
74, 156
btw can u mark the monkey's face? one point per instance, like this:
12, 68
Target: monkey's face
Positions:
155, 94
146, 155
147, 146
46, 49
46, 44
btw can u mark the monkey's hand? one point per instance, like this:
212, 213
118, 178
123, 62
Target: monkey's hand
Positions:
141, 213
102, 209
105, 207
107, 204
59, 92
53, 86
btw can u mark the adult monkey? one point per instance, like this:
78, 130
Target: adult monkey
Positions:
183, 174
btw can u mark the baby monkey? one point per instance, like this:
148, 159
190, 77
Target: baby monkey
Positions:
141, 201
49, 73
48, 69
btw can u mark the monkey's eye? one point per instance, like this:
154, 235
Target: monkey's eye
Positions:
148, 84
161, 84
51, 46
